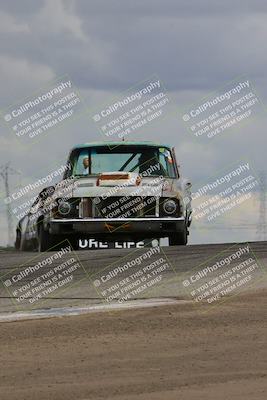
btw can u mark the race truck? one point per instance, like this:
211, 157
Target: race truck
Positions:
111, 191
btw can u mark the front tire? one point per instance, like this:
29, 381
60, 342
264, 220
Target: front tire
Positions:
18, 239
179, 238
45, 240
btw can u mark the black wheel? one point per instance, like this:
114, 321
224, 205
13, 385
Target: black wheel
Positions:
45, 240
25, 245
74, 242
21, 243
179, 238
18, 239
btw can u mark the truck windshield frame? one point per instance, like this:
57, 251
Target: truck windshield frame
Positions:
94, 160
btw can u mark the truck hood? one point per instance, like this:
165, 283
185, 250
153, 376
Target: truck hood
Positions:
120, 184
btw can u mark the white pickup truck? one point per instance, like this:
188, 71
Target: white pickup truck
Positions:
111, 191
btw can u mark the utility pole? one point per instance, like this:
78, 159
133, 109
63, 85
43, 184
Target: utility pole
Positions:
262, 224
5, 171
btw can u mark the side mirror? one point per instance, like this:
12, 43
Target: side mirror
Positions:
47, 192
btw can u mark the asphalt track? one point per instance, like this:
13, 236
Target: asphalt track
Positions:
94, 282
140, 349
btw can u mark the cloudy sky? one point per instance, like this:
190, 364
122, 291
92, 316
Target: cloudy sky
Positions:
109, 46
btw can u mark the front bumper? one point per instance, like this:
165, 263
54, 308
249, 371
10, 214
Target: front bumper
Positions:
150, 226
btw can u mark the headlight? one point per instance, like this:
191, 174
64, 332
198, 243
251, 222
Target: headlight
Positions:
64, 208
169, 206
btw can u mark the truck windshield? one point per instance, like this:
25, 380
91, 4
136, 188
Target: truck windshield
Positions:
144, 160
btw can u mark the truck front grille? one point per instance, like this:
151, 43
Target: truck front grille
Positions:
126, 207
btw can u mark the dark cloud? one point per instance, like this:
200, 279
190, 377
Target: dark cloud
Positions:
185, 8
190, 44
106, 46
21, 8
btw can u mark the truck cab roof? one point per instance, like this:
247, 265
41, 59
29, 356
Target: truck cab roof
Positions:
122, 143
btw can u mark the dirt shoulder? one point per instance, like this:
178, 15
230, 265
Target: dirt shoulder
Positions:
181, 351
